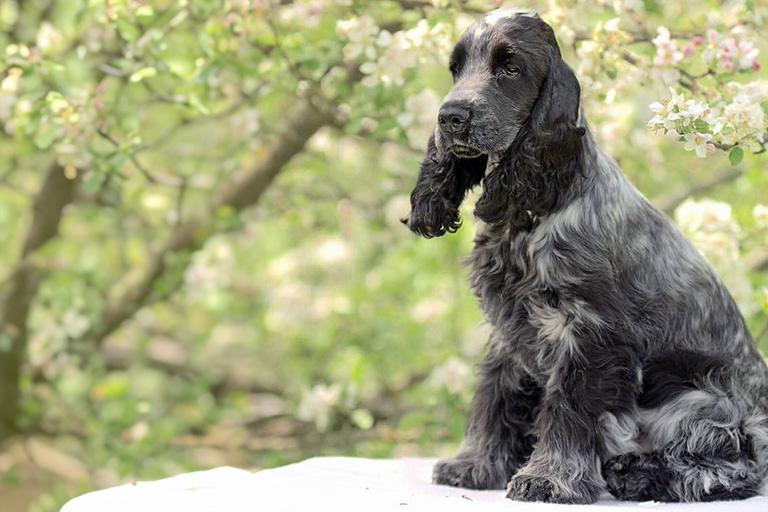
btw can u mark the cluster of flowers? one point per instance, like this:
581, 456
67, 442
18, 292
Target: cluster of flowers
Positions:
728, 54
738, 120
604, 61
389, 55
720, 53
667, 51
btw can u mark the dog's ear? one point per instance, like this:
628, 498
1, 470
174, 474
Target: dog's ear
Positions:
537, 172
443, 181
554, 118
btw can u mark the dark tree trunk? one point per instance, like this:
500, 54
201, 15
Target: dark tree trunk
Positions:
17, 296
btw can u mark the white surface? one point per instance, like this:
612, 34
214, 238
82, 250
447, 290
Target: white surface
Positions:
341, 484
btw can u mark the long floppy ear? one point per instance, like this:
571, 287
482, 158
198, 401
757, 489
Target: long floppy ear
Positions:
443, 182
556, 112
537, 171
556, 140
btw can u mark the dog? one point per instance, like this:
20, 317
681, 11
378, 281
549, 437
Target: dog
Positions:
617, 359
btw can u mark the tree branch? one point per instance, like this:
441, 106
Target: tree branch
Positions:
239, 192
672, 200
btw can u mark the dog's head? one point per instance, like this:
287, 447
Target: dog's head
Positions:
515, 103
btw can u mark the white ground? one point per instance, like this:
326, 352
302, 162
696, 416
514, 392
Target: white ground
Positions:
342, 484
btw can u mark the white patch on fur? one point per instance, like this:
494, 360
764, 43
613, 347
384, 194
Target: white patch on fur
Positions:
619, 434
499, 14
663, 424
551, 322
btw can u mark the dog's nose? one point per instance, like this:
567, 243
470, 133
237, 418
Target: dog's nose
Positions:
453, 117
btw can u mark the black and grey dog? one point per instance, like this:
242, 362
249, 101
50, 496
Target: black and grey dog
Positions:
617, 359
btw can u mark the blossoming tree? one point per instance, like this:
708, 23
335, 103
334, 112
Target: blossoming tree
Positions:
199, 202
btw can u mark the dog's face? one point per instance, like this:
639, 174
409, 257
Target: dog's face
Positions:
513, 109
498, 68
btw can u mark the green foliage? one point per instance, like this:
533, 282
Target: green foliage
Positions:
736, 155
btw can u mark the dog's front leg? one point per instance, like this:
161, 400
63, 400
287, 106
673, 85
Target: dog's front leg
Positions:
499, 437
565, 466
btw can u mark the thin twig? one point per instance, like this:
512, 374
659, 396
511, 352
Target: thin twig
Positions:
180, 200
144, 171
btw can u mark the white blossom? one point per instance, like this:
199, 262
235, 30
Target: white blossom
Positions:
211, 267
47, 37
760, 213
333, 251
317, 404
418, 117
701, 143
455, 376
705, 215
360, 34
711, 227
667, 52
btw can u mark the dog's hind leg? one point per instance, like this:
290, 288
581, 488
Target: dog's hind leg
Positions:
667, 476
704, 446
499, 437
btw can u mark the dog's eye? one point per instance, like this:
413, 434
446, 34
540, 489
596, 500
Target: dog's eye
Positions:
453, 68
510, 69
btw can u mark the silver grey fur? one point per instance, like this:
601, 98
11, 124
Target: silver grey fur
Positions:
617, 359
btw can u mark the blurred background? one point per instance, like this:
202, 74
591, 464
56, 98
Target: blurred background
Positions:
201, 260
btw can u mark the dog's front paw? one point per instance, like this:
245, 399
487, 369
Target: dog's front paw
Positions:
637, 477
526, 487
469, 473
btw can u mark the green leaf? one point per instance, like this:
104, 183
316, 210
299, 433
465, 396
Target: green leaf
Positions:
47, 135
736, 155
701, 126
144, 11
653, 7
362, 418
143, 73
128, 30
195, 102
117, 161
93, 182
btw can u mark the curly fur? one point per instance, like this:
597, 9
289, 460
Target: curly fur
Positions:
617, 358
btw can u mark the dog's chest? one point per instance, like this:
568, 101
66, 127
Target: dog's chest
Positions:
524, 310
501, 266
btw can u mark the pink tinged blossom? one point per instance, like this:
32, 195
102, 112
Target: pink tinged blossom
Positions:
700, 143
667, 53
688, 50
726, 63
729, 47
698, 41
749, 54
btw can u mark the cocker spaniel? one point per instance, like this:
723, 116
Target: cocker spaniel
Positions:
617, 359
